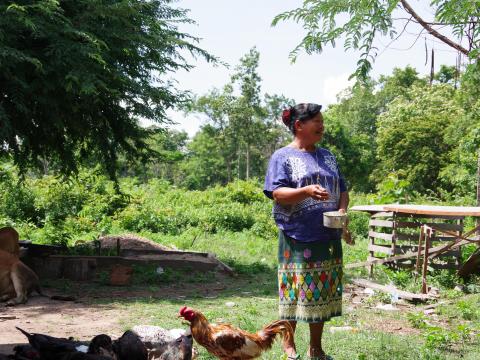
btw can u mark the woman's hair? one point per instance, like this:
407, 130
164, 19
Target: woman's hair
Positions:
302, 112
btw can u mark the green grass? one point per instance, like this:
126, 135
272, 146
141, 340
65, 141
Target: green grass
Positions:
408, 334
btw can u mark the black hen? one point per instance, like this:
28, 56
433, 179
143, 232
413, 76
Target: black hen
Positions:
52, 348
130, 347
25, 352
102, 345
179, 349
49, 347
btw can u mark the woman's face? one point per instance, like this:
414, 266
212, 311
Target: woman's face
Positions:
310, 130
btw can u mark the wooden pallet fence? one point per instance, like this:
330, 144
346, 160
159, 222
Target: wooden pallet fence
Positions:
392, 234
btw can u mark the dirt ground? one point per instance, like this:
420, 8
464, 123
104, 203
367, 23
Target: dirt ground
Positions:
83, 319
56, 318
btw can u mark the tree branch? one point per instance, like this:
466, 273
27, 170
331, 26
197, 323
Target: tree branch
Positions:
432, 31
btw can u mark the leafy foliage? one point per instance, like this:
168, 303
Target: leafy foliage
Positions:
76, 76
359, 23
242, 129
411, 135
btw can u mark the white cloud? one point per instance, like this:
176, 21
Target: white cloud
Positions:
189, 123
333, 85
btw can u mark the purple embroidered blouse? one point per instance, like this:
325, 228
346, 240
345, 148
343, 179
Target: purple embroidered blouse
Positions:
290, 167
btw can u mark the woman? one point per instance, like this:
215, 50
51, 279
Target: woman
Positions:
304, 180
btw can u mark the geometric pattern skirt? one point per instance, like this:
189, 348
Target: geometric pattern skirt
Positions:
309, 279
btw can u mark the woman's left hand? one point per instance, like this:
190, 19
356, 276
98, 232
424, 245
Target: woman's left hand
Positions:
346, 234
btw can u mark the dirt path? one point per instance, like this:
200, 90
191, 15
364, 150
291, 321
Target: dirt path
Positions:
56, 318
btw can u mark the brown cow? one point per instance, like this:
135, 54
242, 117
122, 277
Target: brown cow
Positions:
9, 240
17, 280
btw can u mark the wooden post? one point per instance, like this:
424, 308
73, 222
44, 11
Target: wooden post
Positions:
118, 246
419, 250
478, 192
428, 236
371, 242
458, 257
394, 238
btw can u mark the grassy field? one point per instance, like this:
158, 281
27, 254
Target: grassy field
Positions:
450, 332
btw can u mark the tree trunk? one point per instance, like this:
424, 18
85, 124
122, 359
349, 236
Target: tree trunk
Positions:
247, 171
478, 179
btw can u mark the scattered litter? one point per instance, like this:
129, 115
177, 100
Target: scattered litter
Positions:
433, 291
263, 260
230, 304
387, 307
429, 311
160, 270
369, 291
460, 288
335, 329
394, 297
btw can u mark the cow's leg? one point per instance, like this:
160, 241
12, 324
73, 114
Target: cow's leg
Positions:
19, 288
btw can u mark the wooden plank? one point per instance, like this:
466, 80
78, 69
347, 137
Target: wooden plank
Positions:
382, 223
427, 216
378, 235
405, 249
367, 208
439, 226
382, 214
381, 249
414, 237
435, 210
443, 266
392, 290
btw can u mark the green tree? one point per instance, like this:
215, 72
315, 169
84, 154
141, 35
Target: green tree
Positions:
76, 76
217, 105
412, 139
170, 147
205, 164
246, 118
246, 124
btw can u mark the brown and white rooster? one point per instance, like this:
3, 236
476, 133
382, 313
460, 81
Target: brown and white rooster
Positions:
227, 342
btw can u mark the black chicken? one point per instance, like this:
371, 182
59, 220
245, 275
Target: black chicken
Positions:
50, 347
102, 345
130, 347
25, 352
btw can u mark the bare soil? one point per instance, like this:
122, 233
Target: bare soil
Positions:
57, 318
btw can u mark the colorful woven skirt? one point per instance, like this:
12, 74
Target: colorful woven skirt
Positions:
309, 279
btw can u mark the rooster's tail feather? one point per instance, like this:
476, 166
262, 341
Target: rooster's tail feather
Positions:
278, 327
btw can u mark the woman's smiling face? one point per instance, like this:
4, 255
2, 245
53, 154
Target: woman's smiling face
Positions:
311, 130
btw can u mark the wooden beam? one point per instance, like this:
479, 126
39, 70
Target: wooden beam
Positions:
378, 235
392, 290
386, 249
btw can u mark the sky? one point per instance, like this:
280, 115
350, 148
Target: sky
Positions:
230, 28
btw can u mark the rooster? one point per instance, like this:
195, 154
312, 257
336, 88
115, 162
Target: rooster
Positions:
227, 342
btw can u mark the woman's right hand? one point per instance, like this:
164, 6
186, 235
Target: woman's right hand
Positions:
317, 192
